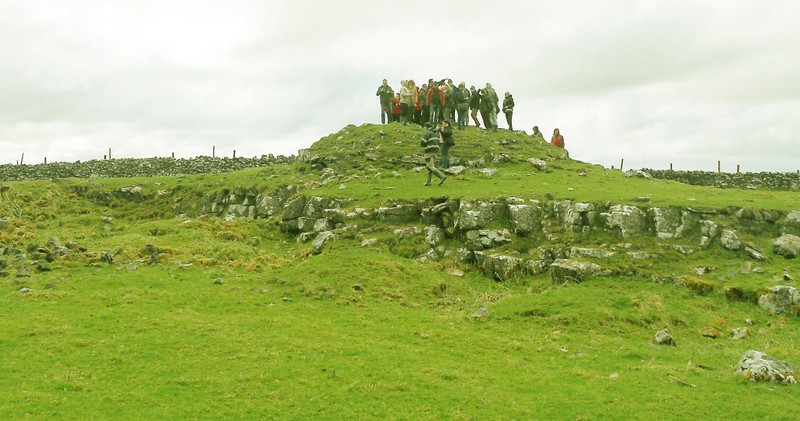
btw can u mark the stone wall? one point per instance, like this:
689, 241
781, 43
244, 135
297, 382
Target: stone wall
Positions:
761, 180
130, 167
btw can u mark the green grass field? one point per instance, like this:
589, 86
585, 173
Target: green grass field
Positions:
237, 320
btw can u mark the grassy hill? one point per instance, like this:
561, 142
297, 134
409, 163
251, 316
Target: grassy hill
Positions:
127, 298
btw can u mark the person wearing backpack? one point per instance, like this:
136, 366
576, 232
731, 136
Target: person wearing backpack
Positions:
430, 145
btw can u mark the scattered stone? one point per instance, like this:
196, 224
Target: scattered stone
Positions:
357, 287
455, 272
739, 333
107, 257
787, 245
663, 337
787, 277
218, 281
369, 242
23, 272
780, 299
758, 366
486, 239
753, 252
487, 172
710, 332
480, 313
702, 270
322, 238
108, 219
455, 170
24, 290
434, 235
539, 164
638, 173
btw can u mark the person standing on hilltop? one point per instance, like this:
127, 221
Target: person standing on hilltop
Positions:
406, 100
537, 135
417, 114
493, 107
475, 105
557, 139
508, 109
397, 109
385, 94
423, 102
435, 101
462, 105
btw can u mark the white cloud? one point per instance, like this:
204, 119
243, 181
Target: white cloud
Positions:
653, 81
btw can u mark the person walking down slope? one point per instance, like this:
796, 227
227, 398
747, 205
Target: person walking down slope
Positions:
508, 109
557, 139
385, 95
430, 144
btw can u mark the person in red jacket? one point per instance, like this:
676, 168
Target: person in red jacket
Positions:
435, 101
397, 110
557, 139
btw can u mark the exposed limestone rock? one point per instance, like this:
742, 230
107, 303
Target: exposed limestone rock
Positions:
323, 238
586, 252
710, 332
267, 206
563, 271
781, 300
730, 240
751, 220
498, 266
476, 215
434, 235
464, 255
672, 222
624, 221
791, 225
316, 205
294, 208
578, 217
369, 242
399, 213
525, 219
402, 233
242, 211
486, 239
663, 337
758, 366
787, 245
639, 255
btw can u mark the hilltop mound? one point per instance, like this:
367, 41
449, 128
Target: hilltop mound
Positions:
395, 146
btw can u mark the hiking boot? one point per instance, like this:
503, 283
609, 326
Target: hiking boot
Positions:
428, 184
440, 183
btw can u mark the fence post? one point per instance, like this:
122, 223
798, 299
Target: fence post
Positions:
22, 160
45, 160
621, 161
719, 167
234, 154
737, 168
213, 151
670, 166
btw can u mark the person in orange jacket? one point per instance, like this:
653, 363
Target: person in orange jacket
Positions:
557, 139
435, 101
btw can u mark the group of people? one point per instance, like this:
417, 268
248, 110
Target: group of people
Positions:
434, 102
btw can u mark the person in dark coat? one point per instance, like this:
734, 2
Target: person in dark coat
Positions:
445, 142
508, 109
474, 104
385, 94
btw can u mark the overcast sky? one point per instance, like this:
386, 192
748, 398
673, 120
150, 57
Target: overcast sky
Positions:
652, 82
